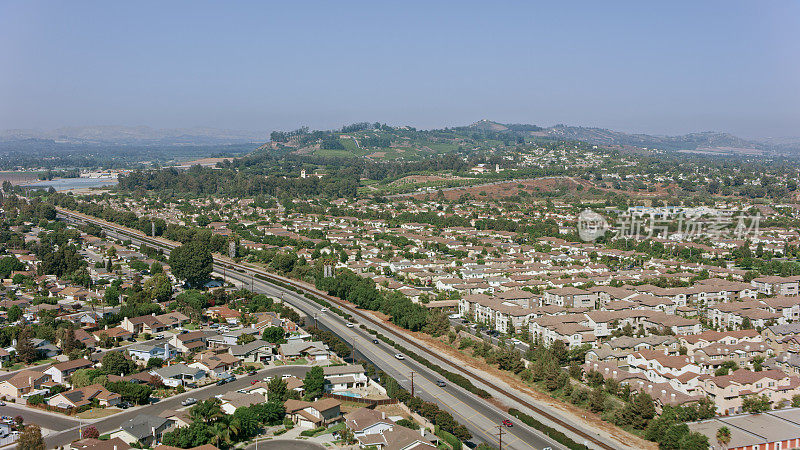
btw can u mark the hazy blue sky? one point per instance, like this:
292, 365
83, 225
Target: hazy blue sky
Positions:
634, 66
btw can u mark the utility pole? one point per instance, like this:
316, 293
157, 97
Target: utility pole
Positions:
500, 430
412, 383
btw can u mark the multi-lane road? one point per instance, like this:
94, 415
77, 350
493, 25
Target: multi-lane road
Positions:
481, 417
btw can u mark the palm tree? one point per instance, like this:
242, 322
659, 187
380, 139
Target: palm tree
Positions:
208, 411
724, 437
222, 434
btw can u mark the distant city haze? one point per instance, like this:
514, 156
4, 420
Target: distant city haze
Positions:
669, 68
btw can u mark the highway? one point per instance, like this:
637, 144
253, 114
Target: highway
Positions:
481, 416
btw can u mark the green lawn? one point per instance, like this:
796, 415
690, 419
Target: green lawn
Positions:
334, 153
443, 147
339, 426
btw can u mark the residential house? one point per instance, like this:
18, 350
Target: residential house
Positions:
85, 396
342, 378
24, 382
179, 375
144, 430
215, 364
143, 324
727, 391
312, 351
233, 400
60, 372
193, 341
364, 421
143, 352
324, 411
255, 351
223, 314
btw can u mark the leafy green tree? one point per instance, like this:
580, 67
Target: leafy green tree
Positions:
314, 382
115, 363
31, 438
84, 377
26, 351
154, 363
437, 323
14, 313
131, 392
111, 296
274, 335
277, 390
693, 441
726, 367
9, 264
272, 412
597, 400
245, 339
247, 421
756, 404
156, 268
158, 288
192, 262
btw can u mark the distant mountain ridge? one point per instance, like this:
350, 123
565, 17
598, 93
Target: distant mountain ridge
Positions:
600, 136
141, 135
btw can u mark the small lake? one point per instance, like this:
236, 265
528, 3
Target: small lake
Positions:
66, 184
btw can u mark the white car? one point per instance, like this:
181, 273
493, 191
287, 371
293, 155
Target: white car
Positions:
349, 325
323, 310
399, 356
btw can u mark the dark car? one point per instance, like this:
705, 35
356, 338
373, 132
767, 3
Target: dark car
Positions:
441, 383
374, 341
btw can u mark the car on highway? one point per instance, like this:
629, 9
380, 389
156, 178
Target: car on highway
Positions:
349, 325
508, 423
399, 356
323, 310
375, 341
2, 403
189, 401
441, 383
